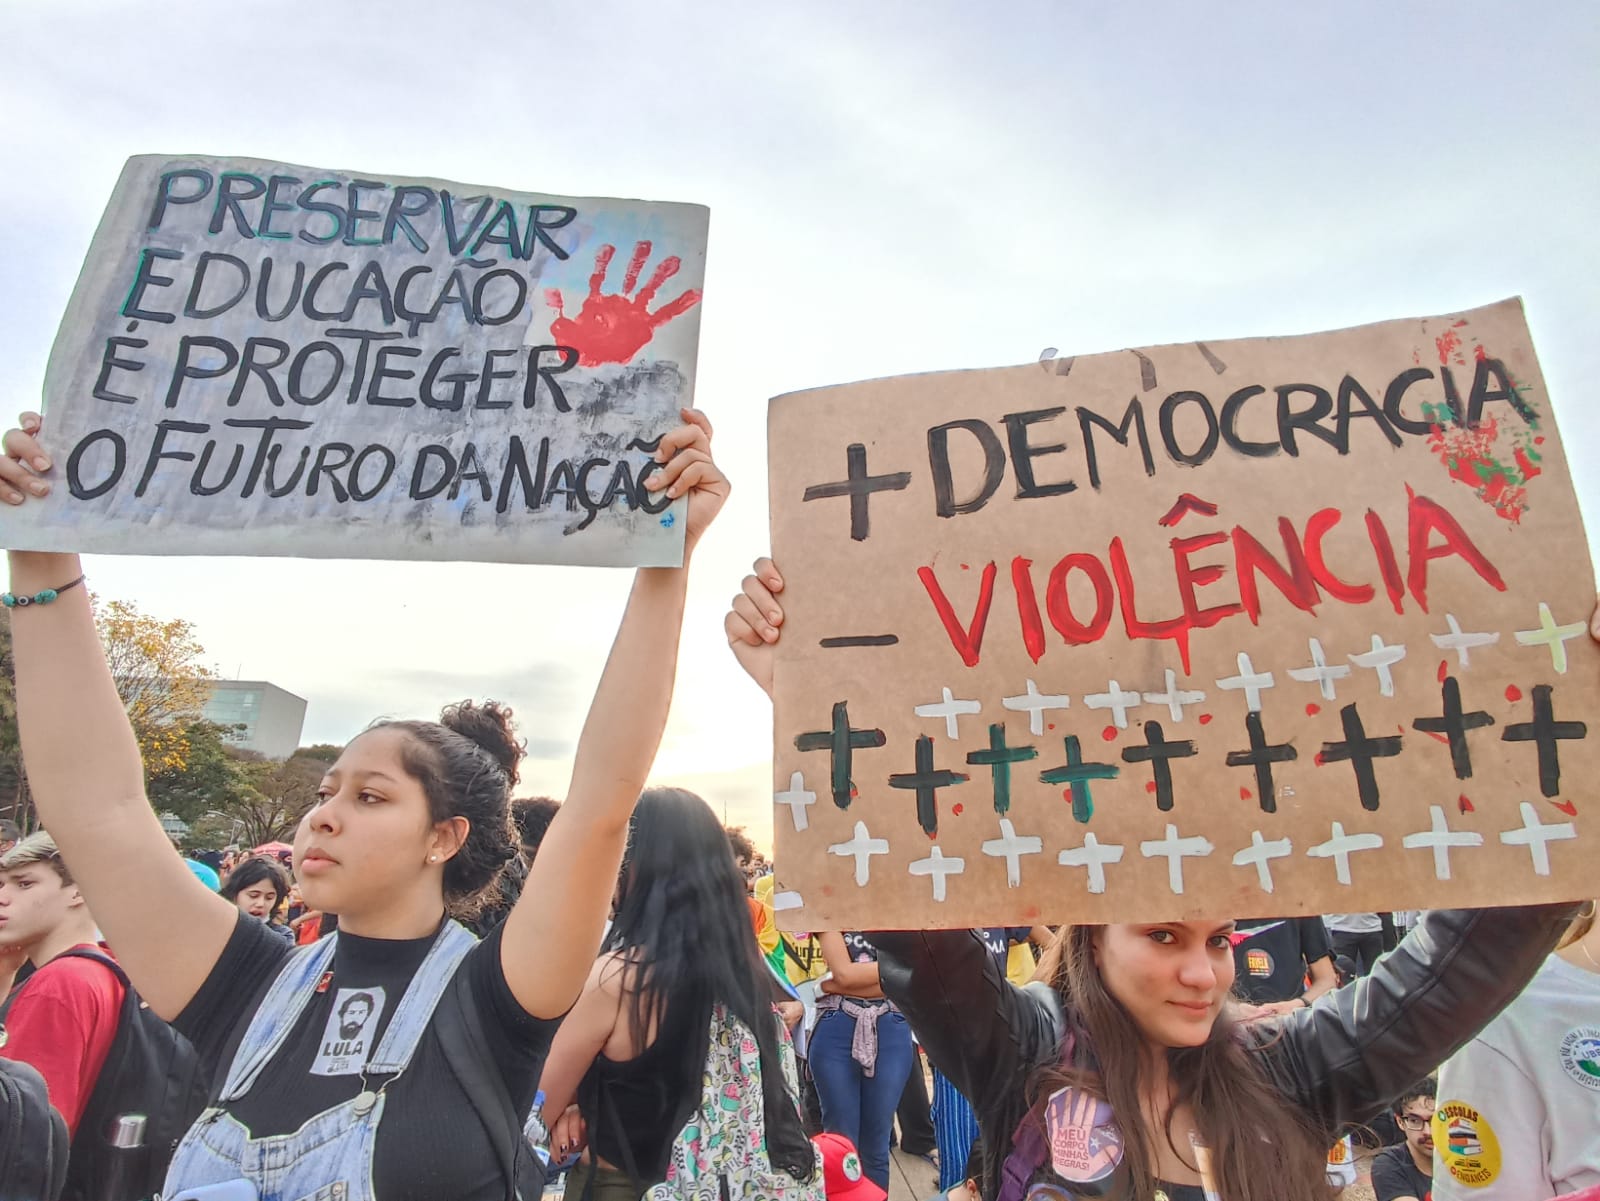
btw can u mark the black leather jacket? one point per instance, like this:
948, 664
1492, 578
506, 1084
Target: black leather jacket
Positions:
1342, 1059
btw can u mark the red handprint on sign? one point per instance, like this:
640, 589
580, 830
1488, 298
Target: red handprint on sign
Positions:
611, 329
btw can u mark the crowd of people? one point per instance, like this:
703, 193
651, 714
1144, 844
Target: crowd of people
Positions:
480, 993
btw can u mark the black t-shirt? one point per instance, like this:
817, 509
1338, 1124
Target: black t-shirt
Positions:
1270, 956
1395, 1174
858, 948
430, 1143
999, 940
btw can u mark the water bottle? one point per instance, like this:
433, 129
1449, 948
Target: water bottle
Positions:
125, 1158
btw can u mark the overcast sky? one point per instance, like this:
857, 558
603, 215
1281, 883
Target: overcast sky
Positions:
894, 187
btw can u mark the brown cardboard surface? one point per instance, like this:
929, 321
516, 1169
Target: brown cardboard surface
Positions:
1402, 492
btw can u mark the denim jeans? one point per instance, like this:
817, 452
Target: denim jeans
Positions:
856, 1105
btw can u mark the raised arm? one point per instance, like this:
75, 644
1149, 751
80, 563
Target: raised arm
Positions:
87, 778
1354, 1050
554, 930
985, 1034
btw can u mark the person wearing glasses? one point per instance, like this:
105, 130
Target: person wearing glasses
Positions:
1404, 1172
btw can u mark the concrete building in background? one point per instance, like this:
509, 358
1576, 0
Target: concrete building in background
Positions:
260, 716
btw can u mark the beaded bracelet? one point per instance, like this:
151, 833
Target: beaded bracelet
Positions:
12, 601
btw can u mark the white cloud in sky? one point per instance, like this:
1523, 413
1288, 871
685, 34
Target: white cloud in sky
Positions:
894, 187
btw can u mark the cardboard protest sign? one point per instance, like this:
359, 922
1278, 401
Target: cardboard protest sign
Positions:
267, 359
1269, 627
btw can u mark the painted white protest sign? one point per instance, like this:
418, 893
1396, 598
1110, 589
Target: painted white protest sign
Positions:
268, 359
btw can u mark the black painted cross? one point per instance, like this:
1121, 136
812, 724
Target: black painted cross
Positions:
1076, 775
841, 743
1159, 753
1547, 734
926, 781
859, 487
1261, 756
1453, 723
998, 759
1361, 751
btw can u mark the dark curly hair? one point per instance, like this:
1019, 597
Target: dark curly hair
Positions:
466, 763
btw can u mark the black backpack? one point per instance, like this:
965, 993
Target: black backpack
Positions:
466, 1046
33, 1136
150, 1070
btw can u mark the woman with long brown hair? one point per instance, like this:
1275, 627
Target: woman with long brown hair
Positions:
1124, 1070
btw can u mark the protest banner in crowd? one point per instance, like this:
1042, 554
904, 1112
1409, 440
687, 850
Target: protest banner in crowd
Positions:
1268, 627
267, 359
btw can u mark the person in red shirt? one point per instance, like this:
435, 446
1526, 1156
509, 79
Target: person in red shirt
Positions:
63, 1018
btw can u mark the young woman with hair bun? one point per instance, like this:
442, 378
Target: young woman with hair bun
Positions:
333, 1068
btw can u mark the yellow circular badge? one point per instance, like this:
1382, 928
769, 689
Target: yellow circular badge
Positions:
1466, 1143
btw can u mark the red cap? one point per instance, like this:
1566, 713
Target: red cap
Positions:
843, 1177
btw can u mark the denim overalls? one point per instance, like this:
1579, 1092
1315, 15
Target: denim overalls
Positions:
330, 1157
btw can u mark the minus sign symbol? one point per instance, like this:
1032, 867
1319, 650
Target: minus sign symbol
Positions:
854, 640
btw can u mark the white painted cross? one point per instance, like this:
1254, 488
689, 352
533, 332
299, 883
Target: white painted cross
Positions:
863, 847
1259, 855
1034, 704
1440, 839
1250, 681
1380, 659
1175, 850
1341, 846
950, 709
1551, 635
1011, 848
797, 798
1174, 698
1537, 837
1319, 673
1093, 856
1461, 643
784, 901
938, 865
1117, 700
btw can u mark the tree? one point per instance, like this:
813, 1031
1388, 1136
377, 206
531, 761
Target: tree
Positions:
266, 800
211, 776
159, 676
14, 800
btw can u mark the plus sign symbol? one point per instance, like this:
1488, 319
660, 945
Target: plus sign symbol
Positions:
1360, 751
841, 742
1453, 725
859, 486
1076, 776
1547, 734
998, 759
1159, 754
926, 781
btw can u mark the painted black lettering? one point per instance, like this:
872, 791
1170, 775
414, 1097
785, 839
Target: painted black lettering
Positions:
145, 277
252, 363
1132, 423
994, 466
75, 465
1023, 453
109, 362
1168, 422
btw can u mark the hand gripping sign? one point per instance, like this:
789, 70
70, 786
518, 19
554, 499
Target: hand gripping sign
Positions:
276, 360
1269, 627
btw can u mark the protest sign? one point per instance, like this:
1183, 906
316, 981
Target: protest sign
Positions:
1260, 628
267, 359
